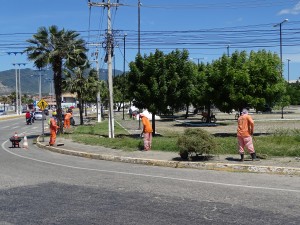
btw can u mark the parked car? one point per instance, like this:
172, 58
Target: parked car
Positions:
38, 115
2, 112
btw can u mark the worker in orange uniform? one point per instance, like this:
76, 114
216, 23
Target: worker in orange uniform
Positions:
53, 129
147, 131
67, 119
245, 131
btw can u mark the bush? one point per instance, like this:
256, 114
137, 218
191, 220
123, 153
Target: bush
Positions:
196, 141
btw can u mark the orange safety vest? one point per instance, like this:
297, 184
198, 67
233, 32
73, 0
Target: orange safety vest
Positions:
147, 125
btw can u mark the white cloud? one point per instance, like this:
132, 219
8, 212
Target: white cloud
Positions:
293, 11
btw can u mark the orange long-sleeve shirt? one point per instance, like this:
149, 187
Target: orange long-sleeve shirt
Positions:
245, 126
147, 125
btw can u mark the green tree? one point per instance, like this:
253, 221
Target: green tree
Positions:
267, 86
85, 88
181, 79
148, 83
293, 90
56, 48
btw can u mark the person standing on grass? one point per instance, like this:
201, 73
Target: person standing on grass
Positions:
67, 119
147, 131
245, 131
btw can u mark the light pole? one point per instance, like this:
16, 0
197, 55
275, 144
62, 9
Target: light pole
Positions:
198, 60
124, 39
16, 71
18, 88
288, 70
280, 35
228, 50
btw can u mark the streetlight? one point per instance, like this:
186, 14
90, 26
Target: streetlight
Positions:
228, 46
18, 87
17, 83
198, 60
288, 70
280, 24
124, 39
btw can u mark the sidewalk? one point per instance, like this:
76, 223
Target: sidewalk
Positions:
283, 166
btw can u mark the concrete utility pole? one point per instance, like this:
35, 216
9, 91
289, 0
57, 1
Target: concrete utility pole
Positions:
109, 64
139, 26
280, 37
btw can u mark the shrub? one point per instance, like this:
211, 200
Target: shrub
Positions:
196, 141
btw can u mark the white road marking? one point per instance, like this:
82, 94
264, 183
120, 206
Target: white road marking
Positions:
152, 176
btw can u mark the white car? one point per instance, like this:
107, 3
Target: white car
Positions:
38, 115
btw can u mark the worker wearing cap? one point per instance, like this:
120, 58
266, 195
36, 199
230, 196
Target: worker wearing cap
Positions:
53, 129
244, 134
147, 131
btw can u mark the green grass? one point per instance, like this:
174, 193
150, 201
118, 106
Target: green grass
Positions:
282, 142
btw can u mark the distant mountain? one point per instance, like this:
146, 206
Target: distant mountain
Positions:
30, 80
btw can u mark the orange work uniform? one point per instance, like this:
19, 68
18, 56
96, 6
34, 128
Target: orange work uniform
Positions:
147, 130
244, 131
53, 129
67, 120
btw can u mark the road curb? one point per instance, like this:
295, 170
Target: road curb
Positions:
175, 164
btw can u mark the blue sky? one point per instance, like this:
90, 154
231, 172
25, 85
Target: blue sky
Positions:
207, 29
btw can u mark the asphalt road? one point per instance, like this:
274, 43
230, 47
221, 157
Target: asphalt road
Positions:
42, 187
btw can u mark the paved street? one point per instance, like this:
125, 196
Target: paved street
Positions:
42, 187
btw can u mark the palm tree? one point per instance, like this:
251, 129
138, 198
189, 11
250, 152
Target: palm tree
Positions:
85, 88
57, 48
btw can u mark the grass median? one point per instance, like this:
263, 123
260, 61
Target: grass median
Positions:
281, 142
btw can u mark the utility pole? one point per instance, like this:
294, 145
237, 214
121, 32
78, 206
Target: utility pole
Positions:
124, 39
109, 48
280, 38
139, 42
139, 27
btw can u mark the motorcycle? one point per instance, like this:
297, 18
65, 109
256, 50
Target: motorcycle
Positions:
29, 121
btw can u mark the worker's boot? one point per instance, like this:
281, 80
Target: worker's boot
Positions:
253, 156
242, 158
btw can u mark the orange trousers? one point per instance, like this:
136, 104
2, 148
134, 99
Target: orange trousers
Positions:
67, 123
52, 137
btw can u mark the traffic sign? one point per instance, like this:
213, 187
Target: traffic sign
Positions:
42, 104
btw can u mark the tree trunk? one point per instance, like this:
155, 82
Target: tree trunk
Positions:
57, 77
80, 106
187, 112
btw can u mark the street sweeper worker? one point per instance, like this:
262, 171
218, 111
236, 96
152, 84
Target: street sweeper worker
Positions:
245, 131
53, 129
67, 119
147, 132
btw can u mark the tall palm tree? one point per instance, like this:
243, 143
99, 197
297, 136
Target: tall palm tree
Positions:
57, 48
85, 88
